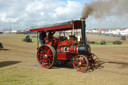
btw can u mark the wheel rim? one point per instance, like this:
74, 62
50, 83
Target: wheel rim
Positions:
80, 63
96, 61
46, 56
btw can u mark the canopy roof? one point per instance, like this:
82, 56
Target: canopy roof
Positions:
60, 26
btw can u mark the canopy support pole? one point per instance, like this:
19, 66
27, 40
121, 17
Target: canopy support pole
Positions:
37, 41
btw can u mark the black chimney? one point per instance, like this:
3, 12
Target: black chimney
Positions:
83, 48
83, 34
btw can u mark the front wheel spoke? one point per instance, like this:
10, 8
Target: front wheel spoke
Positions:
76, 62
84, 68
77, 66
83, 61
84, 65
80, 59
77, 59
80, 68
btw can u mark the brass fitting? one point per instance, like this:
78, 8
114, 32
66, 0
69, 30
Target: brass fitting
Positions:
82, 19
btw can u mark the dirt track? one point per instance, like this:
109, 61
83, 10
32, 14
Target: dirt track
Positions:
19, 66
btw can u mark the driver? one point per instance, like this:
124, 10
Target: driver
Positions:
42, 35
50, 35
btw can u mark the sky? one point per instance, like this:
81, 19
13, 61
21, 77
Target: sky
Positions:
26, 14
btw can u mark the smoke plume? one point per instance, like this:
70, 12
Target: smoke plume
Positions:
102, 8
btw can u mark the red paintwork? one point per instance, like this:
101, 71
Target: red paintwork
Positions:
71, 41
64, 56
77, 25
63, 43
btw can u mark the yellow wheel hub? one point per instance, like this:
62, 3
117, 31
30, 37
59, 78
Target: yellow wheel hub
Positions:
79, 63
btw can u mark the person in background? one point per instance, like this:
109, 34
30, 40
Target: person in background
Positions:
27, 37
42, 35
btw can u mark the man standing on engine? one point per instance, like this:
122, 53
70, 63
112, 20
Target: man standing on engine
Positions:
42, 35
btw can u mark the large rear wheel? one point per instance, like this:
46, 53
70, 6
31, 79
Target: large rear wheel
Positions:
46, 56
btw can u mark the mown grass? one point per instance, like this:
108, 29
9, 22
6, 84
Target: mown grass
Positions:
29, 72
24, 77
56, 77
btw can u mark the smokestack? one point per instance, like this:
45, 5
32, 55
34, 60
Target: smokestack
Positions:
83, 32
83, 48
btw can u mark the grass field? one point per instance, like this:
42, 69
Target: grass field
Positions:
19, 66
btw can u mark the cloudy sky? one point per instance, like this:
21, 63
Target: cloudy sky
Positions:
22, 14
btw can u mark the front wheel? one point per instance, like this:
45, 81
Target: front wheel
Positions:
80, 63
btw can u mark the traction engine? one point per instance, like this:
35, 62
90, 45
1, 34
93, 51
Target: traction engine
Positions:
63, 49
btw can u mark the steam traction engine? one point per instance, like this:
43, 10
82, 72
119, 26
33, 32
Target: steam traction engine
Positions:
63, 49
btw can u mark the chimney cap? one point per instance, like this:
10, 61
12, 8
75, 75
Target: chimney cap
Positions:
82, 19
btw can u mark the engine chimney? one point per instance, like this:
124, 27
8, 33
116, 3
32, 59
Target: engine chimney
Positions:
83, 34
83, 48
